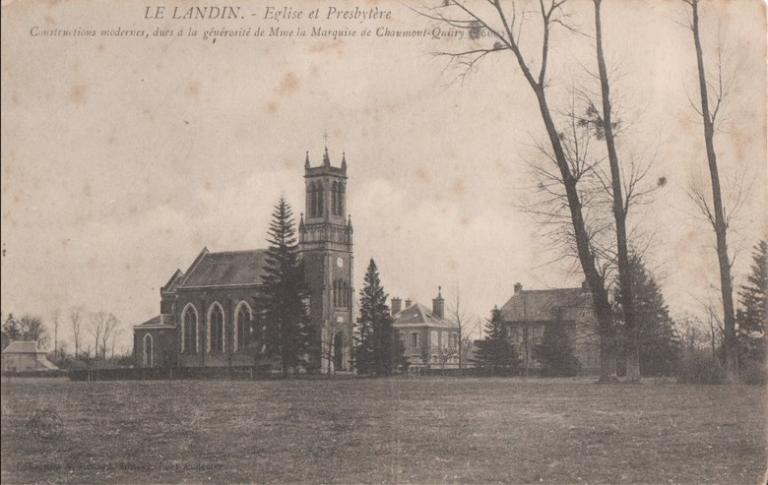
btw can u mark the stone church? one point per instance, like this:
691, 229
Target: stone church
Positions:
206, 312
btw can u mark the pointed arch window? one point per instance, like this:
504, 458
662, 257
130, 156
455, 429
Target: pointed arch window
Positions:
320, 202
189, 330
335, 198
243, 326
340, 199
149, 351
312, 209
216, 329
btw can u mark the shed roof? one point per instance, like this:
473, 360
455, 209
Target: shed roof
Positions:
23, 347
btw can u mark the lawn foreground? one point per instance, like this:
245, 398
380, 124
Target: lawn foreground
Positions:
398, 430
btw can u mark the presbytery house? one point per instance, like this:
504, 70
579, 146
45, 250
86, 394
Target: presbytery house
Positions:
528, 312
207, 311
429, 340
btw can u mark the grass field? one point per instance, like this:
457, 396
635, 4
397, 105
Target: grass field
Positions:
399, 430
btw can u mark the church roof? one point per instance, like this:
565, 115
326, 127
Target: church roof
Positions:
419, 315
173, 282
159, 321
540, 305
229, 268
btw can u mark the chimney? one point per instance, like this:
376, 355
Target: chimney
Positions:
438, 304
584, 286
408, 303
518, 288
397, 305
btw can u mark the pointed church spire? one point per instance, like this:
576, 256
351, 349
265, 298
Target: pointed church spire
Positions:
306, 160
301, 221
344, 161
326, 158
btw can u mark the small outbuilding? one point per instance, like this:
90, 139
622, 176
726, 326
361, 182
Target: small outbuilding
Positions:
24, 356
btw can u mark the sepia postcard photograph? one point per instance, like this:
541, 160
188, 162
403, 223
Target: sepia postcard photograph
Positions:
384, 241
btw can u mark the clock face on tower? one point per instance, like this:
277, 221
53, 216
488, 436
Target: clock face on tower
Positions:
339, 262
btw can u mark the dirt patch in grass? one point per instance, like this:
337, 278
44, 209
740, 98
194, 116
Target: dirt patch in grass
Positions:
399, 430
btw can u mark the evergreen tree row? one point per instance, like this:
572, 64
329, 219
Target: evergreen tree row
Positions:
283, 330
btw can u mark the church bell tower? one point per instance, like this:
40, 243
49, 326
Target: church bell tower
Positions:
325, 244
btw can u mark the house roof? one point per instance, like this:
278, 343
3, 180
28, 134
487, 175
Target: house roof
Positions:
229, 268
419, 315
23, 347
538, 305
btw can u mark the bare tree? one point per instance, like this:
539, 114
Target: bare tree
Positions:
715, 329
55, 332
458, 317
504, 25
328, 349
115, 335
75, 319
447, 353
97, 322
111, 323
716, 212
466, 329
620, 207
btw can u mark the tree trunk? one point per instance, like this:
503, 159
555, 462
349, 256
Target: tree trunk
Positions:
631, 346
461, 349
719, 222
600, 303
586, 257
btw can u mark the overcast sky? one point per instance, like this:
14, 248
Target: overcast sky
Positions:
123, 157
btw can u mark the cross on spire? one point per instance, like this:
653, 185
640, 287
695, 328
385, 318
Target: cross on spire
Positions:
326, 158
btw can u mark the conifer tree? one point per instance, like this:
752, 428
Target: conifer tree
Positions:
282, 302
753, 298
496, 352
555, 352
659, 344
376, 348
